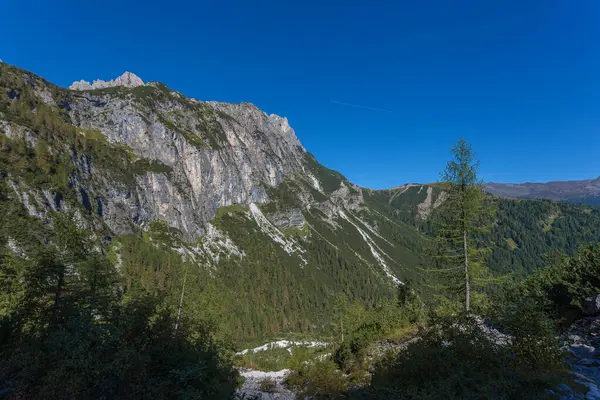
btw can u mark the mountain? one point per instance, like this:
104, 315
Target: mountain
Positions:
220, 206
585, 191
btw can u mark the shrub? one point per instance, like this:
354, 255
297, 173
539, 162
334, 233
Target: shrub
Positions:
319, 379
566, 283
364, 335
134, 355
268, 385
343, 356
456, 359
534, 341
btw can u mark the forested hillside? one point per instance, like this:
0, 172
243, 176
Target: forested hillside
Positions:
529, 231
526, 232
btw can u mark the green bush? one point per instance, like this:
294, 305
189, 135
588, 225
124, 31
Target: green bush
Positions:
343, 356
364, 335
133, 355
67, 332
534, 343
567, 282
268, 385
455, 359
319, 379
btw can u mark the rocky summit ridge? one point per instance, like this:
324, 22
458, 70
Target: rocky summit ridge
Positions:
127, 79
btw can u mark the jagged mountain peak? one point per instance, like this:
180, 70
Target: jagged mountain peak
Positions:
127, 79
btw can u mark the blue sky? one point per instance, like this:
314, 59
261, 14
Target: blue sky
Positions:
519, 79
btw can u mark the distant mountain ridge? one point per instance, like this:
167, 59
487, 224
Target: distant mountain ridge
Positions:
584, 191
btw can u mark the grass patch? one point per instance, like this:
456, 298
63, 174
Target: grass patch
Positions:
143, 165
232, 209
274, 359
268, 385
511, 244
401, 334
297, 232
161, 232
93, 134
547, 224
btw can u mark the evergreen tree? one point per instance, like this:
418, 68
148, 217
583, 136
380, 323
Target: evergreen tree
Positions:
463, 219
340, 305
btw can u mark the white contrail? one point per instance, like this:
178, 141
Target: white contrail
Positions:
359, 106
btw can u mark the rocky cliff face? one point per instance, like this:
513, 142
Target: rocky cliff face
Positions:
219, 154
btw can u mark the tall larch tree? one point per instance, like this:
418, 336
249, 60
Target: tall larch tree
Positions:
462, 221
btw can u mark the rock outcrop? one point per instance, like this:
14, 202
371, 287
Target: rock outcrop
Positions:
583, 343
259, 385
591, 305
128, 79
219, 154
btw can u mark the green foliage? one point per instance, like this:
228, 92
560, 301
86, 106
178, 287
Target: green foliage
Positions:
272, 292
268, 385
198, 123
517, 242
534, 343
297, 232
318, 379
274, 359
132, 354
456, 359
462, 220
564, 285
389, 319
63, 320
266, 293
521, 244
61, 151
343, 356
144, 165
236, 208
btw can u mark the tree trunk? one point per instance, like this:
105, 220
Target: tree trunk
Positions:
181, 300
467, 283
59, 288
342, 323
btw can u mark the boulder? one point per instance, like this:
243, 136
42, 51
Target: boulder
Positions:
591, 305
580, 350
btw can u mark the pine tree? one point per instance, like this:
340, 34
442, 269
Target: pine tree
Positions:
340, 305
463, 220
